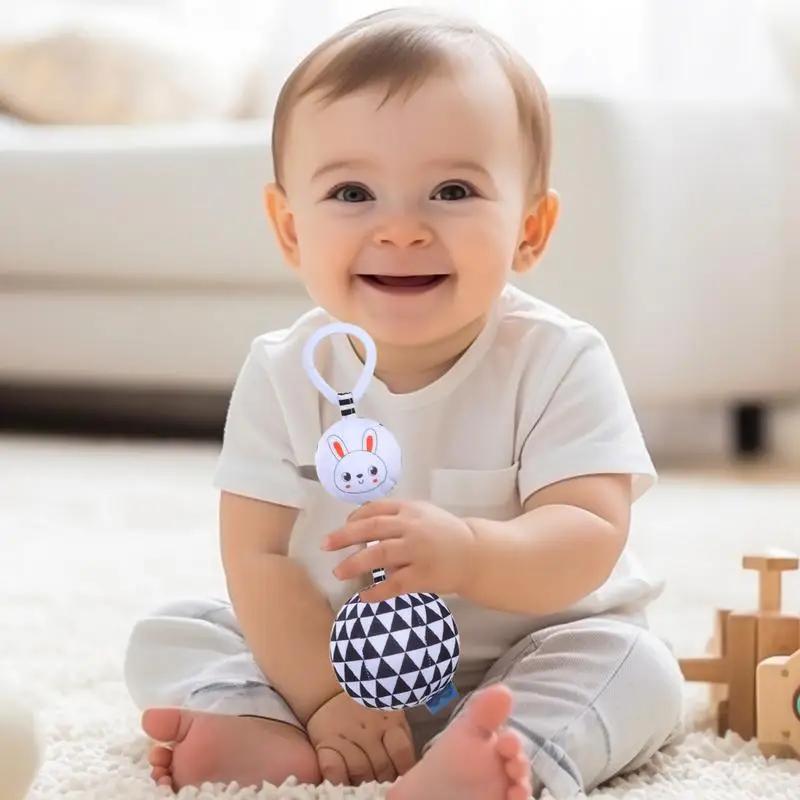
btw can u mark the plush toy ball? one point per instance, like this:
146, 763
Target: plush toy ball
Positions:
358, 460
397, 653
20, 748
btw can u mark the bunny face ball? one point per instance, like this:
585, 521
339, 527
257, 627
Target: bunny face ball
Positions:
358, 460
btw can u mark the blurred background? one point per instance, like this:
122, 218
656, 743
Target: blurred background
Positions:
136, 266
136, 263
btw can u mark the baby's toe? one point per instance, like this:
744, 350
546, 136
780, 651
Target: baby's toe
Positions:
521, 792
166, 725
518, 769
160, 757
509, 745
161, 776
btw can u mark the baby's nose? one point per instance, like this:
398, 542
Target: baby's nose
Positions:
403, 230
360, 475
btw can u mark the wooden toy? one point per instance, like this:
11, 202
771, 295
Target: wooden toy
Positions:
754, 666
778, 704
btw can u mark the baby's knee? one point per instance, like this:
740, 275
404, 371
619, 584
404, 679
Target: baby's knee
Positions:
642, 707
634, 715
200, 608
180, 616
145, 629
176, 635
655, 677
641, 672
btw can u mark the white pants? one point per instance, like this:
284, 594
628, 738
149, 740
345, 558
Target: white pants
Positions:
593, 698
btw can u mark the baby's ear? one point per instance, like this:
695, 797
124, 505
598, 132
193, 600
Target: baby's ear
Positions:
536, 230
282, 222
370, 442
337, 447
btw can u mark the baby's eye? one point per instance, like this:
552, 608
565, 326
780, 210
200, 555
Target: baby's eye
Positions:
373, 470
346, 476
455, 190
350, 193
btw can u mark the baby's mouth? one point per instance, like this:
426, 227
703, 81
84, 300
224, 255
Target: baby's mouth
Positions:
407, 282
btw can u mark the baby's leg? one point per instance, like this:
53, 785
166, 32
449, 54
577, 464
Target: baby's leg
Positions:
207, 705
592, 699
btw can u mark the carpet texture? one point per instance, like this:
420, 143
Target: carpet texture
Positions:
94, 535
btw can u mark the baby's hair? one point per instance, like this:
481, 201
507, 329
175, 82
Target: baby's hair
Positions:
400, 49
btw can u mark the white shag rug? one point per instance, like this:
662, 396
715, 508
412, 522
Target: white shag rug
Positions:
95, 535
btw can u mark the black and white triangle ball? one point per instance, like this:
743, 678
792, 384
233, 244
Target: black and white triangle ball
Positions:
397, 653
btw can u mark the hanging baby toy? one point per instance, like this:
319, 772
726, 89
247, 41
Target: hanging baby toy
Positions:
397, 653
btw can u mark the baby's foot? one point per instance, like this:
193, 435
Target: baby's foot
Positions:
194, 748
474, 759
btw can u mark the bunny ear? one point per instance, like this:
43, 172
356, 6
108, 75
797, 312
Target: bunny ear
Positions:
370, 441
337, 447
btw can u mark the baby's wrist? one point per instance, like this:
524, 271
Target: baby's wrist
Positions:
469, 560
310, 717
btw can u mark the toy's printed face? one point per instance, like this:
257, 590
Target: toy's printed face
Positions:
358, 460
360, 470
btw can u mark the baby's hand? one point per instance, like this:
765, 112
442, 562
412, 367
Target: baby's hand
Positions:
355, 745
422, 548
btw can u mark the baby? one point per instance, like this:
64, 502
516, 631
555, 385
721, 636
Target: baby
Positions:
411, 160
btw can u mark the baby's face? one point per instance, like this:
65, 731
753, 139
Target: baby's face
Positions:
408, 215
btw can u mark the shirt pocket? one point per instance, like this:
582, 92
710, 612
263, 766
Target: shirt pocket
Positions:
491, 494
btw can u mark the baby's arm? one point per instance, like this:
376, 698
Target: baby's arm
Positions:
562, 548
285, 619
582, 463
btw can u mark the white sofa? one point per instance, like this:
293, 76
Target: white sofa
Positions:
141, 257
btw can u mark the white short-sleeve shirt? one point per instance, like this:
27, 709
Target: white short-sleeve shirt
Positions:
536, 399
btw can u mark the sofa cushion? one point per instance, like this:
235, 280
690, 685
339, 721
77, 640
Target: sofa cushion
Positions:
71, 63
173, 204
